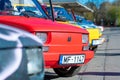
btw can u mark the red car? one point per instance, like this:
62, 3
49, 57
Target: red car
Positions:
66, 48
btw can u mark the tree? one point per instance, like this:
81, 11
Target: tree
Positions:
117, 10
91, 16
103, 10
111, 14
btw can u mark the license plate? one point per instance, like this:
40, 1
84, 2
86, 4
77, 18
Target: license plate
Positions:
72, 59
96, 42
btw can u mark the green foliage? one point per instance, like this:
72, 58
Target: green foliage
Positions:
89, 16
118, 17
111, 14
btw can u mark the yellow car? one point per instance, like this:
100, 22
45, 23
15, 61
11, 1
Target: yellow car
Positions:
23, 6
62, 16
95, 35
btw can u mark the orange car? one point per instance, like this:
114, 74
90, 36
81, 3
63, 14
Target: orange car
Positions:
66, 48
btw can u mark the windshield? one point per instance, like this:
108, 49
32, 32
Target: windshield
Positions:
22, 8
60, 12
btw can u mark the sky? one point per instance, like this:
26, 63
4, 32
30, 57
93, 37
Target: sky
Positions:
84, 1
97, 2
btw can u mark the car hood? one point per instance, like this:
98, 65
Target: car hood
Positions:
39, 24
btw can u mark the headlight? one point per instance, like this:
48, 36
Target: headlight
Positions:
84, 38
42, 36
35, 60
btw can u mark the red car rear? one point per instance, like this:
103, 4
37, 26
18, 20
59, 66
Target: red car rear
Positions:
66, 47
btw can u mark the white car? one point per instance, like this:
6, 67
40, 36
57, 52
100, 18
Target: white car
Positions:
21, 55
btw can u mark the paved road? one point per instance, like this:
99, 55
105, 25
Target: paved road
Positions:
104, 66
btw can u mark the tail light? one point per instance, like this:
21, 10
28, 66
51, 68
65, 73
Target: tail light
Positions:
85, 41
44, 37
35, 60
85, 38
85, 48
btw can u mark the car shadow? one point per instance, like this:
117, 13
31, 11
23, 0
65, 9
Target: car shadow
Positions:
50, 75
107, 54
101, 73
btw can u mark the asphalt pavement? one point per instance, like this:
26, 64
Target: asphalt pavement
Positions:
104, 66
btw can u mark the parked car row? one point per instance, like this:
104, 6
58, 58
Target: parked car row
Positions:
95, 32
31, 41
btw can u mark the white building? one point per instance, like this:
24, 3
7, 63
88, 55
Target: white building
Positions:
23, 1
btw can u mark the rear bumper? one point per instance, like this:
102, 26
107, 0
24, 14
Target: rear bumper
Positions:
52, 59
99, 41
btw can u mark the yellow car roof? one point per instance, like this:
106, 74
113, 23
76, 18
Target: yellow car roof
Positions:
21, 5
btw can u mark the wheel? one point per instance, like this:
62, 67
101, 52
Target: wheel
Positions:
67, 71
94, 48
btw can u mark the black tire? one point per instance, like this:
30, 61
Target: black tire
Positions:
67, 71
95, 48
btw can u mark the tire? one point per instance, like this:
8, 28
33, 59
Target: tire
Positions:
67, 71
95, 48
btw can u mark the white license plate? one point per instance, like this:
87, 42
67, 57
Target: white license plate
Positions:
72, 59
96, 42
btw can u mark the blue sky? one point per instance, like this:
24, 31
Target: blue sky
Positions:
111, 0
97, 2
84, 1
